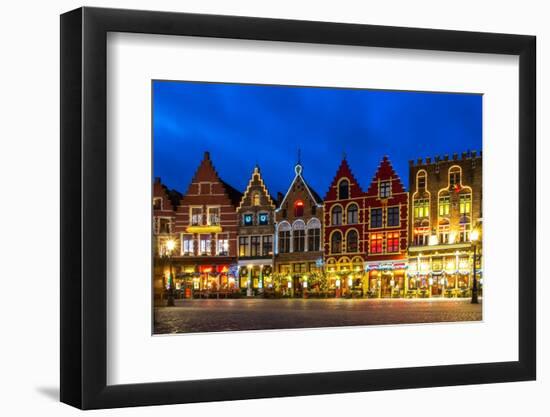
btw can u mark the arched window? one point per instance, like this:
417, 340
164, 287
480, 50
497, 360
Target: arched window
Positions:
454, 177
336, 242
284, 230
299, 236
343, 190
421, 180
256, 199
352, 214
352, 241
313, 235
298, 208
336, 216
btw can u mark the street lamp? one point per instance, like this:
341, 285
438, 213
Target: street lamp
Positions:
474, 237
169, 247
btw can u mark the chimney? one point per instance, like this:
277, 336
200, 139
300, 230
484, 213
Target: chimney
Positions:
280, 197
474, 153
428, 160
464, 155
419, 161
455, 156
207, 155
446, 157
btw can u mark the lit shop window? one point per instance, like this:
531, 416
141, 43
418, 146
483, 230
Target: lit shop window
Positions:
444, 205
196, 216
393, 216
205, 245
248, 219
352, 214
393, 242
298, 208
213, 216
336, 216
376, 217
421, 208
376, 242
343, 190
385, 189
263, 219
352, 241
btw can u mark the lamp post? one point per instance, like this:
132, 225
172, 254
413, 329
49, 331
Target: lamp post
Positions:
474, 238
169, 248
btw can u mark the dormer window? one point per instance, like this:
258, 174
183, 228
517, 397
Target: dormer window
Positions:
343, 190
385, 189
298, 208
263, 219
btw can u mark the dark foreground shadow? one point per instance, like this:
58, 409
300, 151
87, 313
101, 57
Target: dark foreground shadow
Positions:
50, 392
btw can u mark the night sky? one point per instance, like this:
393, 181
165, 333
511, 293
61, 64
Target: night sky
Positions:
243, 125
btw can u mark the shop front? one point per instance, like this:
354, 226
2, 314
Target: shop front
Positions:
386, 279
254, 276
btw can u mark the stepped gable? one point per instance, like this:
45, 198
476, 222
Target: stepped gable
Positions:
256, 182
344, 171
384, 172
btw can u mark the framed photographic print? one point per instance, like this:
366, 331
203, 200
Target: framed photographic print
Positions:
258, 208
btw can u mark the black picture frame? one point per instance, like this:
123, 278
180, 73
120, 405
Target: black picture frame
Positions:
84, 207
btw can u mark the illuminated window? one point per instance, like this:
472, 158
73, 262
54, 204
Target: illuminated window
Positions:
267, 245
336, 242
157, 203
243, 246
465, 203
352, 241
196, 216
263, 219
222, 245
421, 208
248, 219
298, 208
256, 199
213, 216
187, 245
464, 232
454, 177
336, 216
205, 245
254, 245
343, 190
376, 243
352, 214
392, 242
299, 267
376, 217
443, 232
385, 189
444, 205
421, 236
393, 216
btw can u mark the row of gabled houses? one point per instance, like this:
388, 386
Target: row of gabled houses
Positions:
381, 241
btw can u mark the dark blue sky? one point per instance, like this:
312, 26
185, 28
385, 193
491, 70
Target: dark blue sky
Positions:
242, 125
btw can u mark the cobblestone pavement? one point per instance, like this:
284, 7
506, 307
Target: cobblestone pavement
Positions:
190, 316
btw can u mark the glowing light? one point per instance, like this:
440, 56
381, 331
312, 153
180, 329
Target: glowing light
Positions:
433, 240
170, 245
474, 236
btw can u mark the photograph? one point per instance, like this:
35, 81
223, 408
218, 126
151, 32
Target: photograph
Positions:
285, 207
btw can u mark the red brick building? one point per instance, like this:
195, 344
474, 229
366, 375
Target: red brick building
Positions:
164, 217
344, 230
206, 225
386, 209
